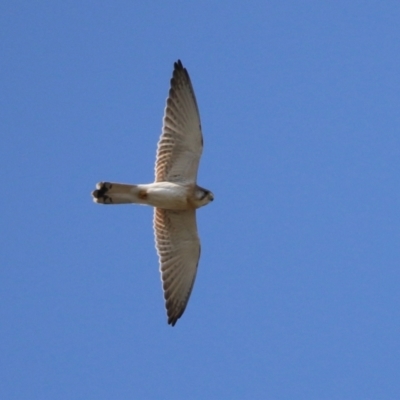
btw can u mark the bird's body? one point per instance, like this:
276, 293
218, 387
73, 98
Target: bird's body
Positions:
174, 194
166, 195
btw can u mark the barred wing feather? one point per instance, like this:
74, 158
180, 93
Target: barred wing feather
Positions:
178, 248
181, 142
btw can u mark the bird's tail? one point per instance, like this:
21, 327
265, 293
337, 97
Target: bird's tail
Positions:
118, 193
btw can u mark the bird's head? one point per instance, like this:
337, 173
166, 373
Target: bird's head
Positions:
203, 196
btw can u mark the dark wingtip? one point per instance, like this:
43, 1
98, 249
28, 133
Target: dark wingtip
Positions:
178, 64
173, 316
179, 71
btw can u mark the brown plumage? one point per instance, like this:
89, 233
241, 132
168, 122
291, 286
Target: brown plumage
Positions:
174, 194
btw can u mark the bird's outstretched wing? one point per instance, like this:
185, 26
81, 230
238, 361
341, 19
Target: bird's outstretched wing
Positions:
181, 142
178, 248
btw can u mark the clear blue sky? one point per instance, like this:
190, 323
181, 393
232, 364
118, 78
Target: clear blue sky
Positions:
297, 294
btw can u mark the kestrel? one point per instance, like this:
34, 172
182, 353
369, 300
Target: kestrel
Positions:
174, 194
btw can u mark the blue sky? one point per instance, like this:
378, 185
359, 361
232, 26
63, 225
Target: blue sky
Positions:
297, 293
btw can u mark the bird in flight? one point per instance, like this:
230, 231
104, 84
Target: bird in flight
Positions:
174, 194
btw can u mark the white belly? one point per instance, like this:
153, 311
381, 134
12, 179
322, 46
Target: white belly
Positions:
166, 195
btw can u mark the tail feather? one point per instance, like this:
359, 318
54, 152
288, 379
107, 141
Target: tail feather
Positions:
116, 193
